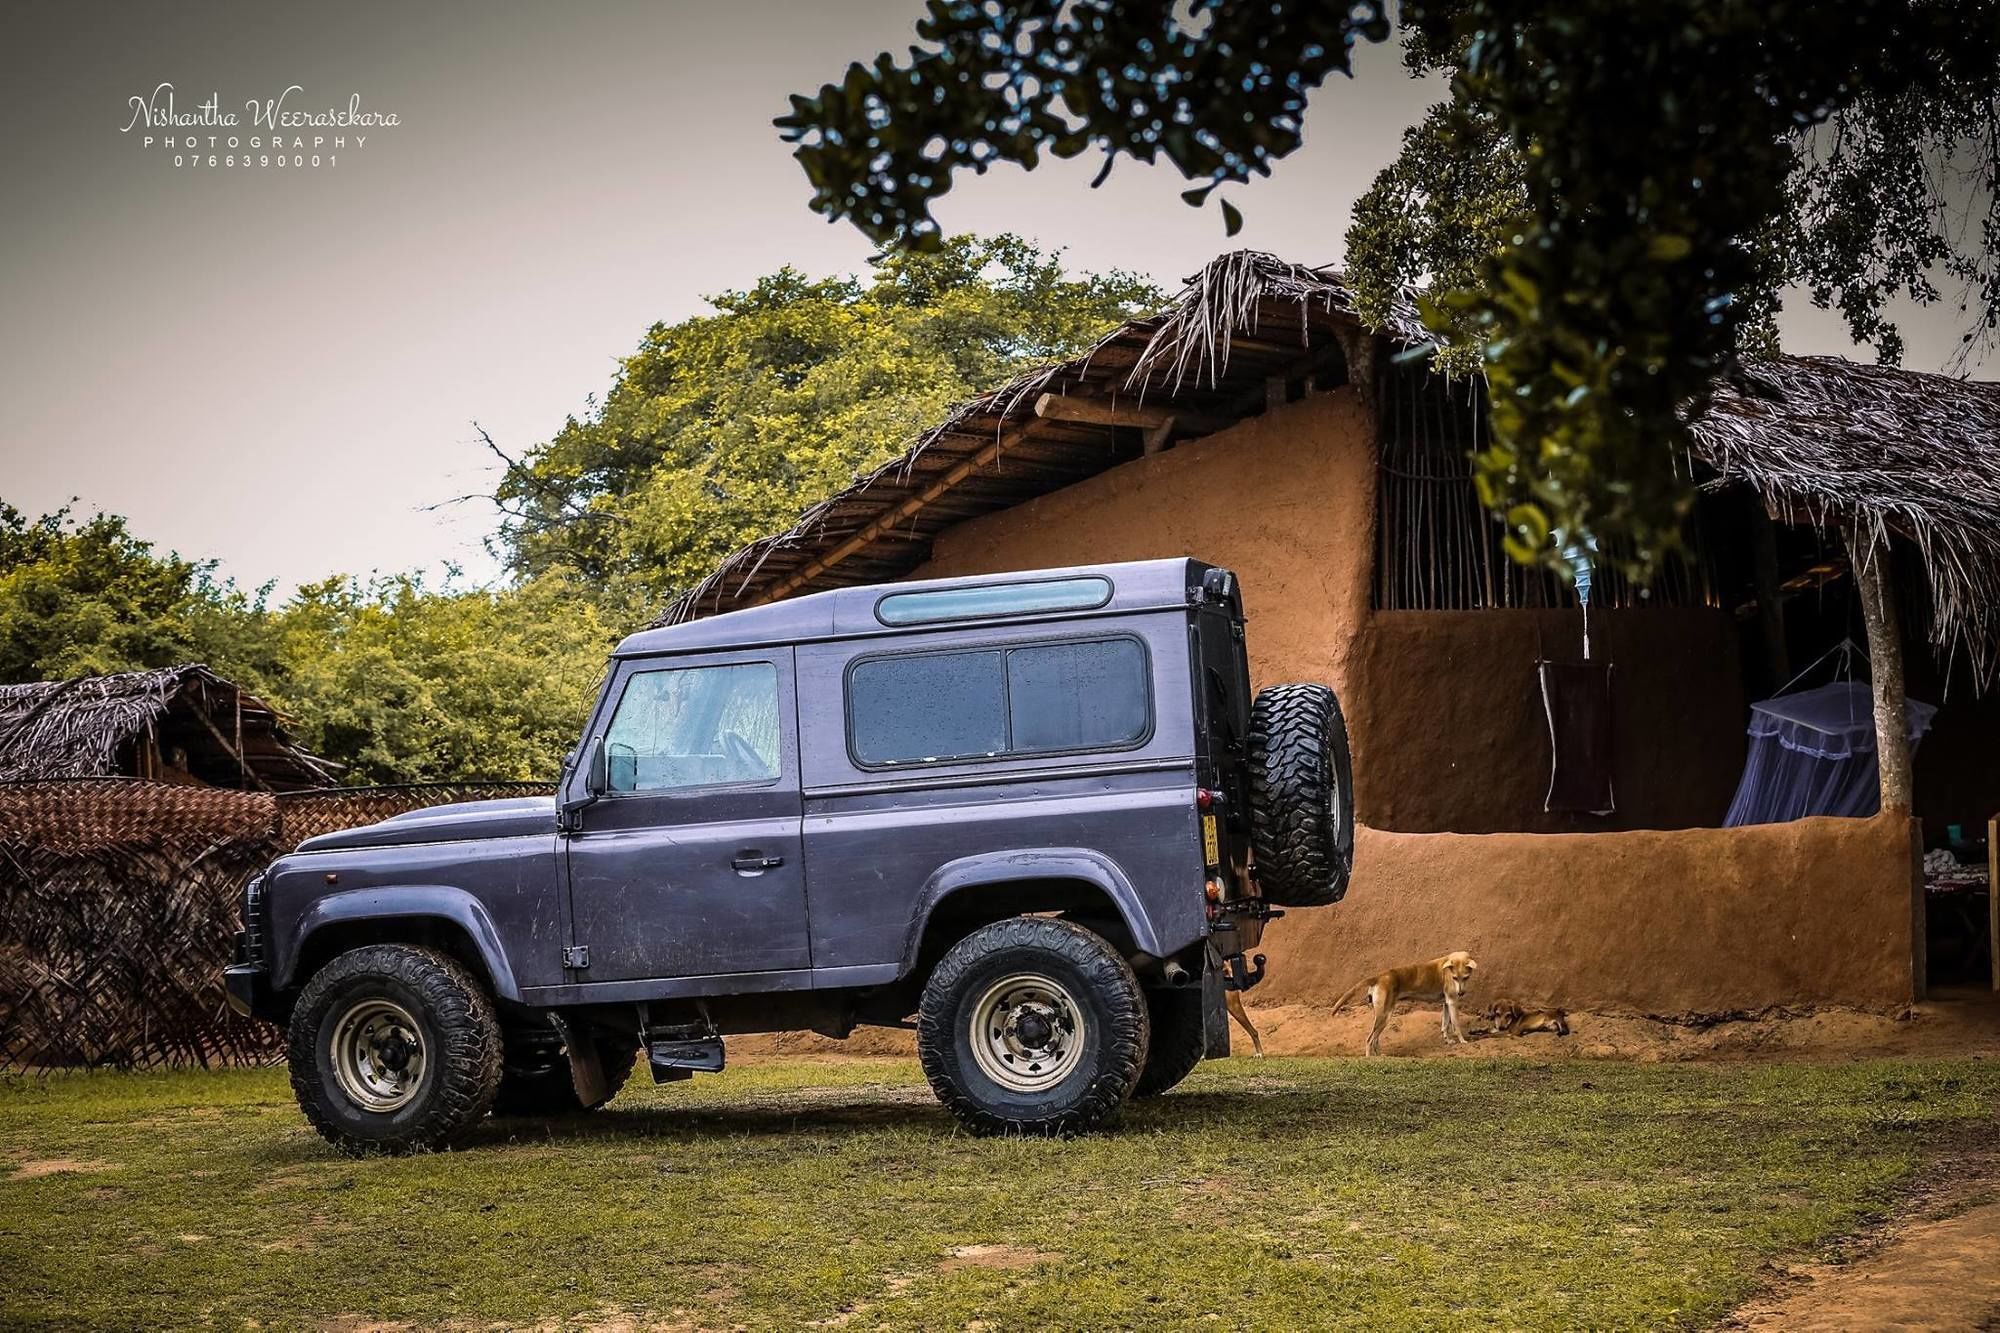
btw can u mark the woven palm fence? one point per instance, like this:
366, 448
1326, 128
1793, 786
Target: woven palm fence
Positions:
118, 911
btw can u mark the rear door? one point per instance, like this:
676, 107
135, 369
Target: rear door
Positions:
690, 864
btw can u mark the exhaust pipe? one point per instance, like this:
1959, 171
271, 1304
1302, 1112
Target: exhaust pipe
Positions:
1176, 974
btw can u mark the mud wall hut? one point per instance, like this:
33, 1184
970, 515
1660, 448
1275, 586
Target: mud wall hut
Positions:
1260, 425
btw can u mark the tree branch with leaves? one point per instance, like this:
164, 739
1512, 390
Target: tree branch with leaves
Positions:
1664, 170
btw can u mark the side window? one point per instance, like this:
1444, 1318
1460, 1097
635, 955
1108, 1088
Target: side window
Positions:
694, 727
1073, 696
933, 707
928, 707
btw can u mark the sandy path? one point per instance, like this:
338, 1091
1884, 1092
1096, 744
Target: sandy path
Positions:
1934, 1275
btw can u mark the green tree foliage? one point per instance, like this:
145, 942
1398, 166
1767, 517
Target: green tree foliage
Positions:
408, 684
1434, 217
724, 427
399, 682
84, 597
1655, 142
719, 429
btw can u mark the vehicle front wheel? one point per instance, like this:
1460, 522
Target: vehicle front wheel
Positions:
394, 1048
1032, 1026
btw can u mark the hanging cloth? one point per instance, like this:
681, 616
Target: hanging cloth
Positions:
1576, 697
1813, 753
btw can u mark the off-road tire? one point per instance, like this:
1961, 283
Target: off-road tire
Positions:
1114, 1028
1179, 1039
532, 1086
1301, 796
462, 1049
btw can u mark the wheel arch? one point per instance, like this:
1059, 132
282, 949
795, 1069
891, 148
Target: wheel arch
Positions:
435, 916
974, 891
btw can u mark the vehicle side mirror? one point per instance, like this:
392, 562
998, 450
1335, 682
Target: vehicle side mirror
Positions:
596, 779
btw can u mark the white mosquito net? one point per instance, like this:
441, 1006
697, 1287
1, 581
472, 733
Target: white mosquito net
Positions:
1813, 753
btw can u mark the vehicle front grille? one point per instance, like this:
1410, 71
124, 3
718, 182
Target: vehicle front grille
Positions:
253, 920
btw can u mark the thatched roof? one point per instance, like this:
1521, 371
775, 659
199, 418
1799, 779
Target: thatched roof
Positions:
89, 727
1831, 443
1246, 321
1824, 441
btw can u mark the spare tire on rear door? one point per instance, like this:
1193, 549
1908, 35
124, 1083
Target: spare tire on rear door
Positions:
1301, 796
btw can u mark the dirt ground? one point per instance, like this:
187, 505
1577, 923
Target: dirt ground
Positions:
1935, 1267
1954, 1024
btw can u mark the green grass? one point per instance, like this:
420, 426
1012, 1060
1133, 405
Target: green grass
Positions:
1380, 1194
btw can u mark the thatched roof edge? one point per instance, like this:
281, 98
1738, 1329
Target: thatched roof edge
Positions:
77, 728
1189, 343
1823, 440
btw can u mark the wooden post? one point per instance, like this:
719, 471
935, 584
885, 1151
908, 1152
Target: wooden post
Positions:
1993, 900
1869, 557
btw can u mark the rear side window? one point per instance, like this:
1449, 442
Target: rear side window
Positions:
1035, 698
1070, 696
928, 706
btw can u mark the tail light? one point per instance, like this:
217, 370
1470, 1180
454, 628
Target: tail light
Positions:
1204, 799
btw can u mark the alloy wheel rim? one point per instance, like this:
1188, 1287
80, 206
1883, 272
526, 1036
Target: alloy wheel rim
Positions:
378, 1055
1027, 1032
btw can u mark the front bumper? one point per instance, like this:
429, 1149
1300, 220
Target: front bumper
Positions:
249, 988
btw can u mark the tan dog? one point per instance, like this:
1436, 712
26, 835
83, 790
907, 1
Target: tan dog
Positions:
1509, 1016
1440, 979
1234, 999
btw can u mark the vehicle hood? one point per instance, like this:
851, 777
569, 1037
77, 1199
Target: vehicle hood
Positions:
513, 817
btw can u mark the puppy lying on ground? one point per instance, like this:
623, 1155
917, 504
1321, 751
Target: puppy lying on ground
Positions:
1440, 979
1509, 1016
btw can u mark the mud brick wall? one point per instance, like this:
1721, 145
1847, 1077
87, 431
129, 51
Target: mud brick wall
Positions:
1451, 754
1684, 923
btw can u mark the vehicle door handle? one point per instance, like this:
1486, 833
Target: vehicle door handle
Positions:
753, 864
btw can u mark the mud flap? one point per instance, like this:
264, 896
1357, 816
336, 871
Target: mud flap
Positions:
1214, 1011
586, 1067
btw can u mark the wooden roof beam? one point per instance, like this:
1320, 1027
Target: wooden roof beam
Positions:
890, 520
1153, 419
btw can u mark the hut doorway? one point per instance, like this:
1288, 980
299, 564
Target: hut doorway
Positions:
1799, 620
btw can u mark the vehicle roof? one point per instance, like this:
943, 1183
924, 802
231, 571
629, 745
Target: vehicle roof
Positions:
1136, 585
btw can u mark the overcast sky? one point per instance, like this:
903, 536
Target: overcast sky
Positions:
280, 368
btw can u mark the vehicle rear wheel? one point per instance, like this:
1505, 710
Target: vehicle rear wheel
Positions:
1301, 796
535, 1076
1032, 1026
1178, 1039
394, 1049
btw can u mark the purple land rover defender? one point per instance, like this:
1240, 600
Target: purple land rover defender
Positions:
1037, 817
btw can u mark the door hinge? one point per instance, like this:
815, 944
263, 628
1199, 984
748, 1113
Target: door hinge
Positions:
577, 957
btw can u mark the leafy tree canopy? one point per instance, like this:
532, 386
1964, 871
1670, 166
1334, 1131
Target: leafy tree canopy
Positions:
724, 427
1883, 200
1666, 152
718, 429
409, 684
86, 597
400, 682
